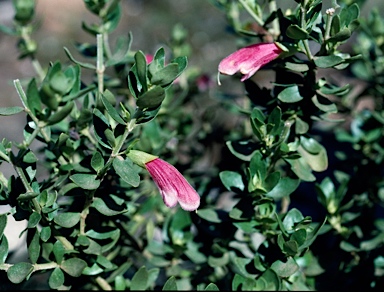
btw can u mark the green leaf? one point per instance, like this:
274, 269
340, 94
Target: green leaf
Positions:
291, 218
349, 14
3, 224
311, 236
33, 97
56, 279
141, 69
34, 245
157, 62
335, 25
170, 285
112, 17
247, 284
333, 89
257, 166
85, 181
153, 274
9, 111
112, 235
58, 251
324, 104
257, 262
81, 64
93, 247
106, 263
218, 261
240, 264
102, 207
373, 243
243, 150
284, 187
258, 117
68, 219
97, 161
27, 196
30, 157
152, 98
328, 61
272, 279
120, 283
313, 153
290, 247
290, 94
110, 137
287, 269
95, 269
341, 36
301, 169
75, 94
299, 236
62, 82
246, 226
346, 246
34, 219
274, 120
122, 53
127, 171
3, 249
211, 287
140, 279
180, 220
296, 67
61, 114
45, 233
110, 109
19, 271
165, 75
296, 32
232, 180
73, 266
182, 62
209, 215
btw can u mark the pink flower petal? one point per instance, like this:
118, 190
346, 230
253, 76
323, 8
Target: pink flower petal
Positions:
149, 58
172, 185
249, 59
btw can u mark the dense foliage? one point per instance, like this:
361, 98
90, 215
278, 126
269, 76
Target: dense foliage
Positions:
289, 172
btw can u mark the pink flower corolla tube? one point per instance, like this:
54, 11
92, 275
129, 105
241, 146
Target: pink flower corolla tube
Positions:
173, 186
249, 59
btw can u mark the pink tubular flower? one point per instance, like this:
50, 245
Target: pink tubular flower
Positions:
249, 59
171, 183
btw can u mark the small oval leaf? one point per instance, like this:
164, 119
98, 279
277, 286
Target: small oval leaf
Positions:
140, 279
73, 266
127, 171
85, 181
209, 215
67, 220
170, 285
152, 98
56, 280
9, 111
18, 272
290, 94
